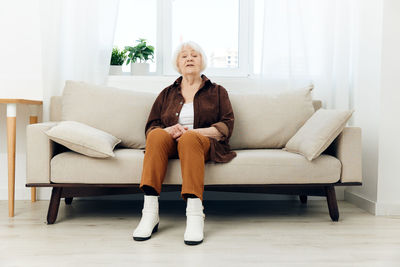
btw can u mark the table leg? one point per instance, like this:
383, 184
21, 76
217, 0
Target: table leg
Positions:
33, 118
11, 127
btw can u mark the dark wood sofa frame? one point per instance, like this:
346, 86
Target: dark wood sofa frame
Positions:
69, 191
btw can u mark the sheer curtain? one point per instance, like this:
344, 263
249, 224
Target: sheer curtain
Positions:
77, 40
311, 41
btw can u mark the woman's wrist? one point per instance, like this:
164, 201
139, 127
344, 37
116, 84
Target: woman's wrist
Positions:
210, 132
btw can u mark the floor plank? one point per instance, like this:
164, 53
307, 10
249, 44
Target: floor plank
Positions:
237, 233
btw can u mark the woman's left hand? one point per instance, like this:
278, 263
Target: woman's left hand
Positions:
179, 131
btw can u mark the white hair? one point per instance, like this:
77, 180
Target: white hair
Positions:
193, 45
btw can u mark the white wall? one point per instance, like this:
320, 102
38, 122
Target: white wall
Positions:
366, 101
377, 108
20, 50
389, 129
20, 77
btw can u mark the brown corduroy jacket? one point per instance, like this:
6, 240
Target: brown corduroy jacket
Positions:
211, 107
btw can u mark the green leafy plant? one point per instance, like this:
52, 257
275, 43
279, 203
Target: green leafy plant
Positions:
118, 57
141, 52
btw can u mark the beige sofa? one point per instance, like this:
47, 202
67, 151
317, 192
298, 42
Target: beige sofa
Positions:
263, 124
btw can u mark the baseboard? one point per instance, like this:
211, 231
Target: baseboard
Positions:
387, 208
360, 201
43, 193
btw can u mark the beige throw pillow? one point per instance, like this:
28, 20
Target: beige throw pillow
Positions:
84, 139
318, 132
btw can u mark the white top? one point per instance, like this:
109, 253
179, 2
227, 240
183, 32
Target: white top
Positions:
186, 115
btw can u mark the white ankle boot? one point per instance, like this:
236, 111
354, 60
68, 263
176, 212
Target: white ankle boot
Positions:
149, 222
194, 222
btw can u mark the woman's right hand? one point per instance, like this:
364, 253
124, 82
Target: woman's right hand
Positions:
176, 130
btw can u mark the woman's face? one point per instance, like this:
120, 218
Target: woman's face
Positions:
189, 61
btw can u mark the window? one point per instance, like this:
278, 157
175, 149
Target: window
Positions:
134, 22
215, 29
223, 28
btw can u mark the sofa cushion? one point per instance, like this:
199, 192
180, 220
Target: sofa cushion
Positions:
318, 132
269, 119
122, 113
253, 166
83, 139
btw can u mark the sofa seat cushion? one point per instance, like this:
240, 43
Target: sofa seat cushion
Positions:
252, 166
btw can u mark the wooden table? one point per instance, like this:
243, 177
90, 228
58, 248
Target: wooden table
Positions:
11, 133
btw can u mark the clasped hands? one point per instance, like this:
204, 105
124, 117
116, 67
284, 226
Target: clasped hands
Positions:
176, 130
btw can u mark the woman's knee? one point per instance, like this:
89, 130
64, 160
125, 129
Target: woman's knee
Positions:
193, 139
188, 137
158, 135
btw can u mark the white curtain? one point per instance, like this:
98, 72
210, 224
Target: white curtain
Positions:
311, 41
77, 40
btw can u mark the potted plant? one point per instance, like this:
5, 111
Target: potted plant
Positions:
141, 52
117, 59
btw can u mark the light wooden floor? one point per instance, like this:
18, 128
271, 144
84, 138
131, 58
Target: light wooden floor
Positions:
246, 233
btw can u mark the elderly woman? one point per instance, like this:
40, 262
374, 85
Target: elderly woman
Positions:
192, 119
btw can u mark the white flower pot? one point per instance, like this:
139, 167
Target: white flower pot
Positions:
115, 70
140, 68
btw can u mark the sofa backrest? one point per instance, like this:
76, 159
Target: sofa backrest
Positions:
56, 107
122, 113
281, 118
269, 119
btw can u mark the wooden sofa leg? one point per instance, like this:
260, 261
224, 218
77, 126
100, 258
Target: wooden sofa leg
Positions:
332, 203
303, 199
54, 204
68, 200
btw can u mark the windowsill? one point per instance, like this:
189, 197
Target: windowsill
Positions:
125, 75
128, 76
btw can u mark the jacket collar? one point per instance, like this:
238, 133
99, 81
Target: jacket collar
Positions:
203, 77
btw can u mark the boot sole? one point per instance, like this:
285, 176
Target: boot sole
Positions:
137, 238
192, 243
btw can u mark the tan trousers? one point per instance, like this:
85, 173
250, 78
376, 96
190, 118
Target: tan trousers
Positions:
192, 149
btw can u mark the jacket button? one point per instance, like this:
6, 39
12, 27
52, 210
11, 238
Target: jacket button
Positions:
176, 114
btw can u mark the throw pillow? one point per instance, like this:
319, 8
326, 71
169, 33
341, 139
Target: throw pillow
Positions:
84, 139
318, 132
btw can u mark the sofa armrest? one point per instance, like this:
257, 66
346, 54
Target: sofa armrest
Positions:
347, 148
39, 151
